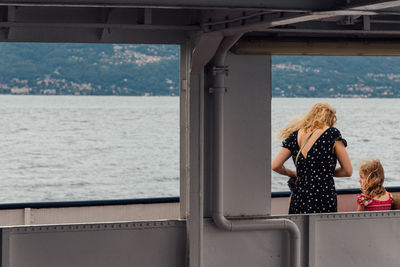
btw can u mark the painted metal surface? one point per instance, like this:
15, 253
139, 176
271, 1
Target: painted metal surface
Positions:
151, 243
183, 3
354, 239
343, 239
137, 212
324, 47
219, 91
251, 248
246, 136
157, 21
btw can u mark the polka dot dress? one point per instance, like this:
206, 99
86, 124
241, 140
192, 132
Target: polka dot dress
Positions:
315, 191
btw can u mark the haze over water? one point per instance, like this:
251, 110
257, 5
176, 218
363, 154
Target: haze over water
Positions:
59, 148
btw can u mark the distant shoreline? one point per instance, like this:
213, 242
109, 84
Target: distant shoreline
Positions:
352, 97
280, 97
92, 95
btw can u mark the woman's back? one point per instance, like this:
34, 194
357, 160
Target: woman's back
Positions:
315, 167
316, 164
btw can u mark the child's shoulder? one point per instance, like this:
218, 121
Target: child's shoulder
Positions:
364, 200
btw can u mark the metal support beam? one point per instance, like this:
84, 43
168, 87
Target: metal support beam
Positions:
377, 5
265, 22
287, 19
366, 23
201, 4
11, 17
202, 49
147, 16
326, 47
105, 14
339, 32
98, 25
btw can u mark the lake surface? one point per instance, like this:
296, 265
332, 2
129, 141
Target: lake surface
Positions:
56, 148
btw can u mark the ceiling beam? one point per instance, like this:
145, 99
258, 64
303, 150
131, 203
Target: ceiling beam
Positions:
195, 4
9, 24
105, 14
367, 9
376, 5
11, 17
354, 33
322, 47
288, 19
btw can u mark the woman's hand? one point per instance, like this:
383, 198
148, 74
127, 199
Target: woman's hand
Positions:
279, 160
291, 173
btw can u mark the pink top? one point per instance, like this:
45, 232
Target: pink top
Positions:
371, 204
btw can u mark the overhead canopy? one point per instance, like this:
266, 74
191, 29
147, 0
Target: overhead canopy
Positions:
172, 22
205, 4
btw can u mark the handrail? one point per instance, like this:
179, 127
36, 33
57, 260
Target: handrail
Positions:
88, 203
132, 201
347, 191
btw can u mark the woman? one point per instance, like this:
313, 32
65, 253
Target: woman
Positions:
315, 146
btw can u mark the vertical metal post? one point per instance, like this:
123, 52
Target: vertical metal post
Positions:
201, 51
27, 216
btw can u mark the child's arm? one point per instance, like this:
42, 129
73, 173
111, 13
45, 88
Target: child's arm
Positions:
362, 201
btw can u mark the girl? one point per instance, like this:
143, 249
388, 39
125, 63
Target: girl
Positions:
374, 196
315, 146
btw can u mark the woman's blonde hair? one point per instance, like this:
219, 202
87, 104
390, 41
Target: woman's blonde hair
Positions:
320, 115
374, 177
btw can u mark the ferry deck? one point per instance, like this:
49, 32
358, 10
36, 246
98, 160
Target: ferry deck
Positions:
225, 215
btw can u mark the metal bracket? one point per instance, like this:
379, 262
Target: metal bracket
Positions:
220, 70
217, 90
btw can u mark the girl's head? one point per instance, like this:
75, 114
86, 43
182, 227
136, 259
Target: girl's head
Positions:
319, 116
371, 178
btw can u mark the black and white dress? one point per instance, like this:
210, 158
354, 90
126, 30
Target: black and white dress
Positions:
315, 191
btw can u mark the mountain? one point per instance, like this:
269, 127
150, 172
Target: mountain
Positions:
324, 76
123, 69
89, 69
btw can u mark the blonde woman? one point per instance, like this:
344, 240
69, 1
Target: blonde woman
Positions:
374, 196
315, 147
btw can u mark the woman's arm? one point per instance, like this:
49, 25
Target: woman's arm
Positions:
345, 169
279, 160
361, 208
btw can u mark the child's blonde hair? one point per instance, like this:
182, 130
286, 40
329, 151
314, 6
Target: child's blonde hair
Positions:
320, 115
374, 178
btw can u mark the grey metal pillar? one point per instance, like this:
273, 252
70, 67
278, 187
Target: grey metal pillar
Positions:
202, 49
247, 135
245, 168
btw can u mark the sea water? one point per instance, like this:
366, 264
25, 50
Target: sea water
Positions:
60, 148
57, 148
